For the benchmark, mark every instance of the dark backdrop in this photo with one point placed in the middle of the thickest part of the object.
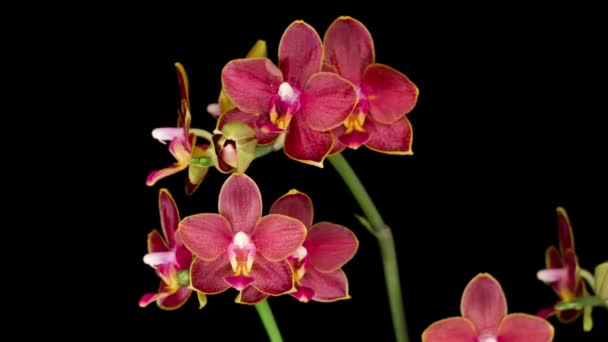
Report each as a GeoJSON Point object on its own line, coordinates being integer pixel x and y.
{"type": "Point", "coordinates": [507, 128]}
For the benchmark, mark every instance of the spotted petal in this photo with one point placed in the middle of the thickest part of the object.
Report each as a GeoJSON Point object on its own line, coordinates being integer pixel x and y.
{"type": "Point", "coordinates": [327, 286]}
{"type": "Point", "coordinates": [250, 82]}
{"type": "Point", "coordinates": [240, 202]}
{"type": "Point", "coordinates": [300, 53]}
{"type": "Point", "coordinates": [395, 138]}
{"type": "Point", "coordinates": [272, 277]}
{"type": "Point", "coordinates": [277, 236]}
{"type": "Point", "coordinates": [250, 296]}
{"type": "Point", "coordinates": [306, 145]}
{"type": "Point", "coordinates": [206, 235]}
{"type": "Point", "coordinates": [390, 94]}
{"type": "Point", "coordinates": [483, 302]}
{"type": "Point", "coordinates": [349, 48]}
{"type": "Point", "coordinates": [520, 327]}
{"type": "Point", "coordinates": [330, 246]}
{"type": "Point", "coordinates": [455, 329]}
{"type": "Point", "coordinates": [294, 204]}
{"type": "Point", "coordinates": [208, 276]}
{"type": "Point", "coordinates": [327, 101]}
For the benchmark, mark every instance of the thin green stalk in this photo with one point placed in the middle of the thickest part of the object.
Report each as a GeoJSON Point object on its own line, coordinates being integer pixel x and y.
{"type": "Point", "coordinates": [272, 329]}
{"type": "Point", "coordinates": [383, 234]}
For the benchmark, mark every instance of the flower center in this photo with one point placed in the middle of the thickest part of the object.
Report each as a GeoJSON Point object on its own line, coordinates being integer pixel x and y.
{"type": "Point", "coordinates": [284, 105]}
{"type": "Point", "coordinates": [487, 338]}
{"type": "Point", "coordinates": [241, 253]}
{"type": "Point", "coordinates": [229, 153]}
{"type": "Point", "coordinates": [300, 261]}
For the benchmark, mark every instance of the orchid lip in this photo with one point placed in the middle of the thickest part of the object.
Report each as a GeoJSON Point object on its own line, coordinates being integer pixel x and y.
{"type": "Point", "coordinates": [551, 275]}
{"type": "Point", "coordinates": [160, 258]}
{"type": "Point", "coordinates": [487, 338]}
{"type": "Point", "coordinates": [300, 253]}
{"type": "Point", "coordinates": [241, 243]}
{"type": "Point", "coordinates": [165, 134]}
{"type": "Point", "coordinates": [287, 93]}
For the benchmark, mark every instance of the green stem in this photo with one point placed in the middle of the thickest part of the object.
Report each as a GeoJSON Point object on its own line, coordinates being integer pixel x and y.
{"type": "Point", "coordinates": [589, 278]}
{"type": "Point", "coordinates": [272, 329]}
{"type": "Point", "coordinates": [383, 234]}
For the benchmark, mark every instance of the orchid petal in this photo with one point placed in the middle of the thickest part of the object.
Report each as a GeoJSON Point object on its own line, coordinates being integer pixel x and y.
{"type": "Point", "coordinates": [169, 215]}
{"type": "Point", "coordinates": [184, 85]}
{"type": "Point", "coordinates": [483, 302]}
{"type": "Point", "coordinates": [338, 145]}
{"type": "Point", "coordinates": [454, 329]}
{"type": "Point", "coordinates": [150, 297]}
{"type": "Point", "coordinates": [157, 175]}
{"type": "Point", "coordinates": [330, 246]}
{"type": "Point", "coordinates": [183, 256]}
{"type": "Point", "coordinates": [240, 202]}
{"type": "Point", "coordinates": [196, 175]}
{"type": "Point", "coordinates": [251, 120]}
{"type": "Point", "coordinates": [327, 286]}
{"type": "Point", "coordinates": [395, 138]}
{"type": "Point", "coordinates": [601, 280]}
{"type": "Point", "coordinates": [570, 261]}
{"type": "Point", "coordinates": [519, 327]}
{"type": "Point", "coordinates": [303, 294]}
{"type": "Point", "coordinates": [272, 277]}
{"type": "Point", "coordinates": [355, 138]}
{"type": "Point", "coordinates": [202, 299]}
{"type": "Point", "coordinates": [390, 94]}
{"type": "Point", "coordinates": [277, 236]}
{"type": "Point", "coordinates": [206, 235]}
{"type": "Point", "coordinates": [156, 243]}
{"type": "Point", "coordinates": [306, 145]}
{"type": "Point", "coordinates": [294, 204]}
{"type": "Point", "coordinates": [250, 82]}
{"type": "Point", "coordinates": [566, 237]}
{"type": "Point", "coordinates": [327, 101]}
{"type": "Point", "coordinates": [259, 49]}
{"type": "Point", "coordinates": [250, 296]}
{"type": "Point", "coordinates": [164, 134]}
{"type": "Point", "coordinates": [175, 300]}
{"type": "Point", "coordinates": [568, 316]}
{"type": "Point", "coordinates": [552, 258]}
{"type": "Point", "coordinates": [208, 276]}
{"type": "Point", "coordinates": [348, 47]}
{"type": "Point", "coordinates": [239, 282]}
{"type": "Point", "coordinates": [546, 312]}
{"type": "Point", "coordinates": [300, 53]}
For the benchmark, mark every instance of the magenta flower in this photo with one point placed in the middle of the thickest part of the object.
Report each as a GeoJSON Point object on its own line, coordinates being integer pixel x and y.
{"type": "Point", "coordinates": [239, 247]}
{"type": "Point", "coordinates": [484, 318]}
{"type": "Point", "coordinates": [296, 97]}
{"type": "Point", "coordinates": [182, 143]}
{"type": "Point", "coordinates": [317, 264]}
{"type": "Point", "coordinates": [385, 95]}
{"type": "Point", "coordinates": [168, 256]}
{"type": "Point", "coordinates": [562, 271]}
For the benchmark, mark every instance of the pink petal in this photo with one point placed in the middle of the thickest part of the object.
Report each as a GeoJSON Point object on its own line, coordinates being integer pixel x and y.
{"type": "Point", "coordinates": [454, 329]}
{"type": "Point", "coordinates": [294, 204]}
{"type": "Point", "coordinates": [183, 256]}
{"type": "Point", "coordinates": [250, 82]}
{"type": "Point", "coordinates": [206, 235]}
{"type": "Point", "coordinates": [208, 276]}
{"type": "Point", "coordinates": [395, 138]}
{"type": "Point", "coordinates": [330, 246]}
{"type": "Point", "coordinates": [349, 48]}
{"type": "Point", "coordinates": [175, 300]}
{"type": "Point", "coordinates": [156, 243]}
{"type": "Point", "coordinates": [276, 236]}
{"type": "Point", "coordinates": [250, 296]}
{"type": "Point", "coordinates": [338, 145]}
{"type": "Point", "coordinates": [271, 277]}
{"type": "Point", "coordinates": [327, 101]}
{"type": "Point", "coordinates": [327, 287]}
{"type": "Point", "coordinates": [566, 237]}
{"type": "Point", "coordinates": [239, 282]}
{"type": "Point", "coordinates": [150, 297]}
{"type": "Point", "coordinates": [570, 262]}
{"type": "Point", "coordinates": [250, 120]}
{"type": "Point", "coordinates": [164, 134]}
{"type": "Point", "coordinates": [546, 312]}
{"type": "Point", "coordinates": [157, 175]}
{"type": "Point", "coordinates": [300, 53]}
{"type": "Point", "coordinates": [552, 258]}
{"type": "Point", "coordinates": [521, 327]}
{"type": "Point", "coordinates": [240, 202]}
{"type": "Point", "coordinates": [303, 294]}
{"type": "Point", "coordinates": [483, 303]}
{"type": "Point", "coordinates": [169, 215]}
{"type": "Point", "coordinates": [390, 94]}
{"type": "Point", "coordinates": [306, 145]}
{"type": "Point", "coordinates": [355, 138]}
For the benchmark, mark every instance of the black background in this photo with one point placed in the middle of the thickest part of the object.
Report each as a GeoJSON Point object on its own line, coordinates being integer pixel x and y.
{"type": "Point", "coordinates": [508, 126]}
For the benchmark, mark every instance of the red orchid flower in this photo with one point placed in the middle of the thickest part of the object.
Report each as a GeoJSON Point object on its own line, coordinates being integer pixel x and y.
{"type": "Point", "coordinates": [182, 143]}
{"type": "Point", "coordinates": [484, 318]}
{"type": "Point", "coordinates": [295, 98]}
{"type": "Point", "coordinates": [239, 247]}
{"type": "Point", "coordinates": [168, 256]}
{"type": "Point", "coordinates": [317, 264]}
{"type": "Point", "coordinates": [562, 271]}
{"type": "Point", "coordinates": [378, 120]}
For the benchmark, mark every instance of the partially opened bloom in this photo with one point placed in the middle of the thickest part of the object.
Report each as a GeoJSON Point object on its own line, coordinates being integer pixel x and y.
{"type": "Point", "coordinates": [385, 95]}
{"type": "Point", "coordinates": [182, 143]}
{"type": "Point", "coordinates": [295, 98]}
{"type": "Point", "coordinates": [238, 247]}
{"type": "Point", "coordinates": [317, 264]}
{"type": "Point", "coordinates": [562, 271]}
{"type": "Point", "coordinates": [234, 147]}
{"type": "Point", "coordinates": [168, 255]}
{"type": "Point", "coordinates": [484, 318]}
